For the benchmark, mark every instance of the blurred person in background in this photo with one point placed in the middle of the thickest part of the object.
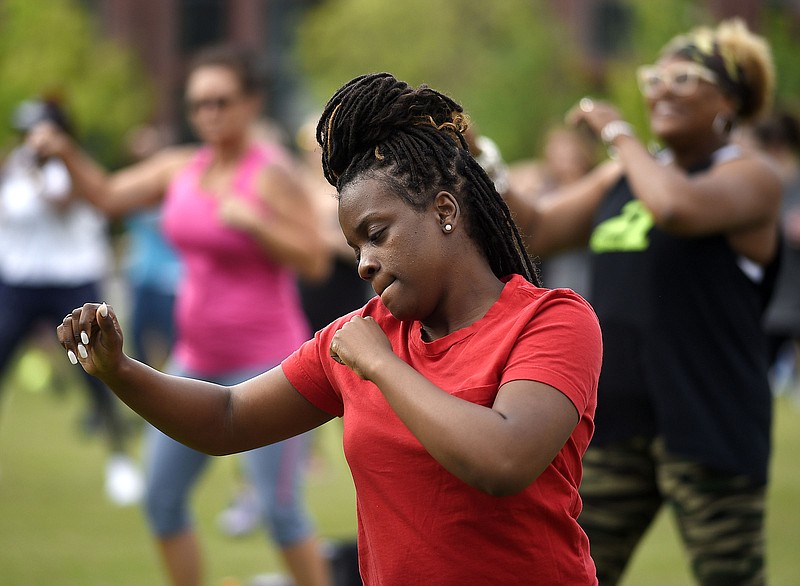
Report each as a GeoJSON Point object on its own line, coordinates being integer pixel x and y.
{"type": "Point", "coordinates": [683, 256]}
{"type": "Point", "coordinates": [39, 213]}
{"type": "Point", "coordinates": [567, 155]}
{"type": "Point", "coordinates": [343, 291]}
{"type": "Point", "coordinates": [466, 390]}
{"type": "Point", "coordinates": [244, 228]}
{"type": "Point", "coordinates": [151, 266]}
{"type": "Point", "coordinates": [779, 137]}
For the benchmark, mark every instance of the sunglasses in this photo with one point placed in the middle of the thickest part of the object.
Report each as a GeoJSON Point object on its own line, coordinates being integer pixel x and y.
{"type": "Point", "coordinates": [680, 79]}
{"type": "Point", "coordinates": [219, 103]}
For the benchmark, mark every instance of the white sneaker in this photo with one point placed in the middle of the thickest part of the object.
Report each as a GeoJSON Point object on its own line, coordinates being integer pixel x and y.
{"type": "Point", "coordinates": [271, 580]}
{"type": "Point", "coordinates": [243, 515]}
{"type": "Point", "coordinates": [124, 483]}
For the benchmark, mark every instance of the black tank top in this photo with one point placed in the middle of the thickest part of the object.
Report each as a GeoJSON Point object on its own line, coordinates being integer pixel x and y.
{"type": "Point", "coordinates": [684, 353]}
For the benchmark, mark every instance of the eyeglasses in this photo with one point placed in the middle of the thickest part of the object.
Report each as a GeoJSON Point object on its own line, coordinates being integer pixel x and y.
{"type": "Point", "coordinates": [679, 78]}
{"type": "Point", "coordinates": [218, 103]}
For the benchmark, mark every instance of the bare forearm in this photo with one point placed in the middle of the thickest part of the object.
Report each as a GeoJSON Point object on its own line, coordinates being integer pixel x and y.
{"type": "Point", "coordinates": [657, 186]}
{"type": "Point", "coordinates": [135, 187]}
{"type": "Point", "coordinates": [193, 412]}
{"type": "Point", "coordinates": [90, 180]}
{"type": "Point", "coordinates": [469, 440]}
{"type": "Point", "coordinates": [562, 219]}
{"type": "Point", "coordinates": [305, 253]}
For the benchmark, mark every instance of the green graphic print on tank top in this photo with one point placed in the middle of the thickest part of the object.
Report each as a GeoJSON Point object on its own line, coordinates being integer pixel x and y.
{"type": "Point", "coordinates": [625, 232]}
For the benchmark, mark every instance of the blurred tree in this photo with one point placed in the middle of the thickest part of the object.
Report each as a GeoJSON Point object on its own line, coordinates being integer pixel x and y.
{"type": "Point", "coordinates": [507, 62]}
{"type": "Point", "coordinates": [781, 24]}
{"type": "Point", "coordinates": [53, 49]}
{"type": "Point", "coordinates": [513, 64]}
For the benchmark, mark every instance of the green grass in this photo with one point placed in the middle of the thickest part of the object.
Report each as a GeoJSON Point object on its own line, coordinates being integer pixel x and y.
{"type": "Point", "coordinates": [56, 527]}
{"type": "Point", "coordinates": [659, 560]}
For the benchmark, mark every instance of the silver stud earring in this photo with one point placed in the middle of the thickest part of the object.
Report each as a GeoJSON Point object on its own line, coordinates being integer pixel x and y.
{"type": "Point", "coordinates": [448, 227]}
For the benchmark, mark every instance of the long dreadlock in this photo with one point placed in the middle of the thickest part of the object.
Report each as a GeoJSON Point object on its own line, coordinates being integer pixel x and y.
{"type": "Point", "coordinates": [377, 122]}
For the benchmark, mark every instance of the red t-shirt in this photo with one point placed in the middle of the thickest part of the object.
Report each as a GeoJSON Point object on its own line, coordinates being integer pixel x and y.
{"type": "Point", "coordinates": [419, 524]}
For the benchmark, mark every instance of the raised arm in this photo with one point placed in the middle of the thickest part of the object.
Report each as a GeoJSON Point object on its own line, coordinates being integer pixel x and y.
{"type": "Point", "coordinates": [562, 219]}
{"type": "Point", "coordinates": [207, 417]}
{"type": "Point", "coordinates": [115, 194]}
{"type": "Point", "coordinates": [289, 230]}
{"type": "Point", "coordinates": [740, 198]}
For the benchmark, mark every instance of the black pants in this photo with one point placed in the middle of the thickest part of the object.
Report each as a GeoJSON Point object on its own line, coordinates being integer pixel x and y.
{"type": "Point", "coordinates": [23, 309]}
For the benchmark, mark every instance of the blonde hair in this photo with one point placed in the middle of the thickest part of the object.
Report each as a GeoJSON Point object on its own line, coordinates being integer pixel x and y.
{"type": "Point", "coordinates": [742, 59]}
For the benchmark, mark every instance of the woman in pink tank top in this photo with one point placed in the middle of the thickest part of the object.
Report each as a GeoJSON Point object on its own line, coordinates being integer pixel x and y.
{"type": "Point", "coordinates": [244, 229]}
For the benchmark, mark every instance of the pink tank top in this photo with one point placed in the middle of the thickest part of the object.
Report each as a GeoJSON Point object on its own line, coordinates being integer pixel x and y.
{"type": "Point", "coordinates": [236, 308]}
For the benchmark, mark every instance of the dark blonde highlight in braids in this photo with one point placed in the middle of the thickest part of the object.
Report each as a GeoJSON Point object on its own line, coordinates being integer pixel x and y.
{"type": "Point", "coordinates": [377, 123]}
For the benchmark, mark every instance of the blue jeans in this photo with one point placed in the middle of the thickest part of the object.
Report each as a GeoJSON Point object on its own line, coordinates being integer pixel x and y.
{"type": "Point", "coordinates": [276, 471]}
{"type": "Point", "coordinates": [152, 316]}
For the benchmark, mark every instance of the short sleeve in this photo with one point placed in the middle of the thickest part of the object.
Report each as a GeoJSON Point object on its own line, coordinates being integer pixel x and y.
{"type": "Point", "coordinates": [561, 346]}
{"type": "Point", "coordinates": [309, 371]}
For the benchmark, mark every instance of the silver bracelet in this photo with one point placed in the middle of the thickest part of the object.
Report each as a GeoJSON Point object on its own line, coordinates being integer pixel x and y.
{"type": "Point", "coordinates": [614, 129]}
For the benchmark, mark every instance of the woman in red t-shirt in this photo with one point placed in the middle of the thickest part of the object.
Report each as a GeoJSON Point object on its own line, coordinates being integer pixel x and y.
{"type": "Point", "coordinates": [467, 390]}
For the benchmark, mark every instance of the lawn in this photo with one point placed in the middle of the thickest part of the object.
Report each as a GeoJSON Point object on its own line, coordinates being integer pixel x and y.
{"type": "Point", "coordinates": [56, 527]}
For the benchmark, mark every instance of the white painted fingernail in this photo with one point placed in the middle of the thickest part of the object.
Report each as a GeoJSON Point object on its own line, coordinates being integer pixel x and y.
{"type": "Point", "coordinates": [84, 338]}
{"type": "Point", "coordinates": [71, 356]}
{"type": "Point", "coordinates": [82, 351]}
{"type": "Point", "coordinates": [104, 310]}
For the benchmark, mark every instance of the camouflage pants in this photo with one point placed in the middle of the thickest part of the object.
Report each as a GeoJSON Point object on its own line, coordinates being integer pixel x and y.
{"type": "Point", "coordinates": [720, 516]}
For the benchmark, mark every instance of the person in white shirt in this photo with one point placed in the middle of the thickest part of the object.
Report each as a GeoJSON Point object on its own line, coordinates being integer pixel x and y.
{"type": "Point", "coordinates": [43, 230]}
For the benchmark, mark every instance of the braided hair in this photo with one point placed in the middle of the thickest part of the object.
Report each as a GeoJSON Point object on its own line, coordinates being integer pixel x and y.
{"type": "Point", "coordinates": [377, 122]}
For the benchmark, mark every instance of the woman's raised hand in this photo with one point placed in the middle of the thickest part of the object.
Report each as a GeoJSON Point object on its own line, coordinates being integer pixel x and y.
{"type": "Point", "coordinates": [48, 140]}
{"type": "Point", "coordinates": [595, 114]}
{"type": "Point", "coordinates": [91, 335]}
